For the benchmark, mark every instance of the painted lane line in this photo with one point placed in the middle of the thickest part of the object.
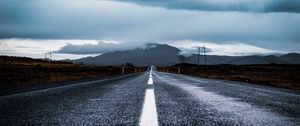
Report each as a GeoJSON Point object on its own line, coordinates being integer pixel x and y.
{"type": "Point", "coordinates": [150, 75]}
{"type": "Point", "coordinates": [149, 112]}
{"type": "Point", "coordinates": [150, 81]}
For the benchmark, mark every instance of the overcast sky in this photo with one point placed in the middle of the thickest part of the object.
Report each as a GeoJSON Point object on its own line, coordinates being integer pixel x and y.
{"type": "Point", "coordinates": [77, 28]}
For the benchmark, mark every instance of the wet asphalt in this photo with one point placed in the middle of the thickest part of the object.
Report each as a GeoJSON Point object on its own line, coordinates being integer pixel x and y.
{"type": "Point", "coordinates": [180, 100]}
{"type": "Point", "coordinates": [108, 102]}
{"type": "Point", "coordinates": [186, 100]}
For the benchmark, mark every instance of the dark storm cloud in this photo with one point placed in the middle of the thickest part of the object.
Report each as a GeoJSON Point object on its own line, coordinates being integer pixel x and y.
{"type": "Point", "coordinates": [101, 47]}
{"type": "Point", "coordinates": [225, 5]}
{"type": "Point", "coordinates": [124, 21]}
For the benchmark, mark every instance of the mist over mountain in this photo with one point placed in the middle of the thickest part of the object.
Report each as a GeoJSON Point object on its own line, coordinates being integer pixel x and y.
{"type": "Point", "coordinates": [163, 55]}
{"type": "Point", "coordinates": [156, 54]}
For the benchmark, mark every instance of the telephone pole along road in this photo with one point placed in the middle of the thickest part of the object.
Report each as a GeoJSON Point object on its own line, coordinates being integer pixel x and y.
{"type": "Point", "coordinates": [172, 100]}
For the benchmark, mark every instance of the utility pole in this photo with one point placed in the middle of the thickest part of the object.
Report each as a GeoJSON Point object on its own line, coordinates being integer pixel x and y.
{"type": "Point", "coordinates": [3, 48]}
{"type": "Point", "coordinates": [199, 55]}
{"type": "Point", "coordinates": [50, 55]}
{"type": "Point", "coordinates": [45, 56]}
{"type": "Point", "coordinates": [204, 55]}
{"type": "Point", "coordinates": [6, 48]}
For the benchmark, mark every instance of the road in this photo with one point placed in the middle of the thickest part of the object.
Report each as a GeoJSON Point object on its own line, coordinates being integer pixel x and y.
{"type": "Point", "coordinates": [154, 98]}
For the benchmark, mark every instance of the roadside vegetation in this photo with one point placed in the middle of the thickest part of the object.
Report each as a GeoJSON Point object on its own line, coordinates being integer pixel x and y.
{"type": "Point", "coordinates": [278, 75]}
{"type": "Point", "coordinates": [22, 71]}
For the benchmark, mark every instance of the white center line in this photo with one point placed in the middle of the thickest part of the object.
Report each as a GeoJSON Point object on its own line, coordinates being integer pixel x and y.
{"type": "Point", "coordinates": [150, 81]}
{"type": "Point", "coordinates": [149, 113]}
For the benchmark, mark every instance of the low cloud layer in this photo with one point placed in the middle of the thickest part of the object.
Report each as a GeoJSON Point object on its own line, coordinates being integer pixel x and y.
{"type": "Point", "coordinates": [37, 48]}
{"type": "Point", "coordinates": [230, 48]}
{"type": "Point", "coordinates": [73, 49]}
{"type": "Point", "coordinates": [187, 47]}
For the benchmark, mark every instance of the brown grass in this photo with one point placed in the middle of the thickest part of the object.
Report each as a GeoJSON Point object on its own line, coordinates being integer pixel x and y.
{"type": "Point", "coordinates": [22, 71]}
{"type": "Point", "coordinates": [284, 76]}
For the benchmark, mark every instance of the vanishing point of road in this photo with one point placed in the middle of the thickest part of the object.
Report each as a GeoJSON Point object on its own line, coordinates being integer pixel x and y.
{"type": "Point", "coordinates": [153, 98]}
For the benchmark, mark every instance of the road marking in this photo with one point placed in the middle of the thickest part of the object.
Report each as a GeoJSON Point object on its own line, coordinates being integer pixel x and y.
{"type": "Point", "coordinates": [150, 81]}
{"type": "Point", "coordinates": [150, 75]}
{"type": "Point", "coordinates": [149, 112]}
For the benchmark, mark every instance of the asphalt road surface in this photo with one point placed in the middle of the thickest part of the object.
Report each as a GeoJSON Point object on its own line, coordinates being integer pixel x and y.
{"type": "Point", "coordinates": [154, 98]}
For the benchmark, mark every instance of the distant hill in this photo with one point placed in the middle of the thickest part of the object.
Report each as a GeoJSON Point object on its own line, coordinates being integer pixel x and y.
{"type": "Point", "coordinates": [210, 59]}
{"type": "Point", "coordinates": [163, 55]}
{"type": "Point", "coordinates": [291, 58]}
{"type": "Point", "coordinates": [256, 60]}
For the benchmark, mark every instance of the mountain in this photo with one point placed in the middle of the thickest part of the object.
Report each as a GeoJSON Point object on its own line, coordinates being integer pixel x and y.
{"type": "Point", "coordinates": [163, 55]}
{"type": "Point", "coordinates": [155, 54]}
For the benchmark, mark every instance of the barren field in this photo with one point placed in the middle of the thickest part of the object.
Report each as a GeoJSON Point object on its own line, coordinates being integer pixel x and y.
{"type": "Point", "coordinates": [20, 71]}
{"type": "Point", "coordinates": [284, 76]}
